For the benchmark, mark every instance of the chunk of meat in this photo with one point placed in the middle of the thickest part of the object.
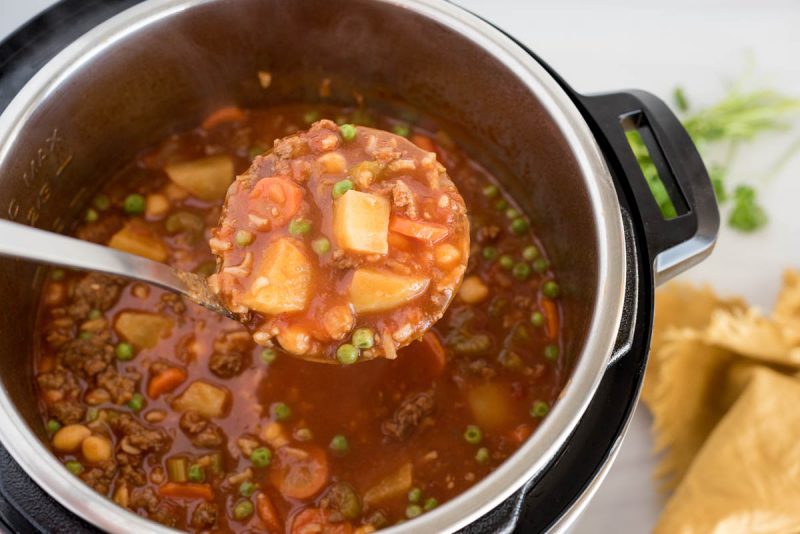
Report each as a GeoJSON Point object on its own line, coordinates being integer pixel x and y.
{"type": "Point", "coordinates": [201, 431]}
{"type": "Point", "coordinates": [87, 357]}
{"type": "Point", "coordinates": [409, 415]}
{"type": "Point", "coordinates": [99, 477]}
{"type": "Point", "coordinates": [204, 516]}
{"type": "Point", "coordinates": [121, 387]}
{"type": "Point", "coordinates": [149, 439]}
{"type": "Point", "coordinates": [63, 394]}
{"type": "Point", "coordinates": [232, 353]}
{"type": "Point", "coordinates": [98, 291]}
{"type": "Point", "coordinates": [403, 199]}
{"type": "Point", "coordinates": [102, 230]}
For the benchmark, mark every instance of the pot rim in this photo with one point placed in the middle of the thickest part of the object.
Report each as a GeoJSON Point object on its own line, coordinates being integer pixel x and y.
{"type": "Point", "coordinates": [533, 456]}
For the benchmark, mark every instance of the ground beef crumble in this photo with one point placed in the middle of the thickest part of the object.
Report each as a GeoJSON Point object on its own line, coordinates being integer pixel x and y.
{"type": "Point", "coordinates": [409, 415]}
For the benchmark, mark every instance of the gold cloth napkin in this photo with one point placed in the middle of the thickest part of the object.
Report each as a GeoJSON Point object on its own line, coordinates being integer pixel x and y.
{"type": "Point", "coordinates": [723, 385]}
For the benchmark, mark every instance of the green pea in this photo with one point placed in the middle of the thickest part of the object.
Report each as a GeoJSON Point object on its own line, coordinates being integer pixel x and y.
{"type": "Point", "coordinates": [311, 116]}
{"type": "Point", "coordinates": [519, 226]}
{"type": "Point", "coordinates": [261, 457]}
{"type": "Point", "coordinates": [57, 274]}
{"type": "Point", "coordinates": [243, 510]}
{"type": "Point", "coordinates": [347, 354]}
{"type": "Point", "coordinates": [401, 129]}
{"type": "Point", "coordinates": [490, 191]}
{"type": "Point", "coordinates": [348, 132]}
{"type": "Point", "coordinates": [321, 246]}
{"type": "Point", "coordinates": [244, 238]}
{"type": "Point", "coordinates": [53, 426]}
{"type": "Point", "coordinates": [551, 352]}
{"type": "Point", "coordinates": [303, 434]}
{"type": "Point", "coordinates": [506, 262]}
{"type": "Point", "coordinates": [299, 227]}
{"type": "Point", "coordinates": [521, 271]}
{"type": "Point", "coordinates": [501, 204]}
{"type": "Point", "coordinates": [196, 473]}
{"type": "Point", "coordinates": [91, 215]}
{"type": "Point", "coordinates": [246, 488]}
{"type": "Point", "coordinates": [339, 444]}
{"type": "Point", "coordinates": [136, 403]}
{"type": "Point", "coordinates": [414, 495]}
{"type": "Point", "coordinates": [530, 253]}
{"type": "Point", "coordinates": [541, 265]}
{"type": "Point", "coordinates": [102, 202]}
{"type": "Point", "coordinates": [280, 411]}
{"type": "Point", "coordinates": [413, 510]}
{"type": "Point", "coordinates": [74, 467]}
{"type": "Point", "coordinates": [268, 355]}
{"type": "Point", "coordinates": [539, 409]}
{"type": "Point", "coordinates": [124, 351]}
{"type": "Point", "coordinates": [134, 204]}
{"type": "Point", "coordinates": [482, 456]}
{"type": "Point", "coordinates": [430, 504]}
{"type": "Point", "coordinates": [511, 213]}
{"type": "Point", "coordinates": [341, 187]}
{"type": "Point", "coordinates": [537, 318]}
{"type": "Point", "coordinates": [86, 335]}
{"type": "Point", "coordinates": [92, 414]}
{"type": "Point", "coordinates": [473, 435]}
{"type": "Point", "coordinates": [550, 289]}
{"type": "Point", "coordinates": [363, 338]}
{"type": "Point", "coordinates": [489, 253]}
{"type": "Point", "coordinates": [94, 313]}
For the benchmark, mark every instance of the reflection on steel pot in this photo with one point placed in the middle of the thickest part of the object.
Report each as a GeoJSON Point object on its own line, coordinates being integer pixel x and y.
{"type": "Point", "coordinates": [159, 65]}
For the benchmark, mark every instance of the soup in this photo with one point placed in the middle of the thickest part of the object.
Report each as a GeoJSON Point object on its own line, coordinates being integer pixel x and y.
{"type": "Point", "coordinates": [176, 414]}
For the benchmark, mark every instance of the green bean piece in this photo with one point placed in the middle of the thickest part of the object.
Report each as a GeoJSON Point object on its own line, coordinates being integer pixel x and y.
{"type": "Point", "coordinates": [177, 469]}
{"type": "Point", "coordinates": [473, 434]}
{"type": "Point", "coordinates": [92, 414]}
{"type": "Point", "coordinates": [261, 457]}
{"type": "Point", "coordinates": [363, 338]}
{"type": "Point", "coordinates": [134, 204]}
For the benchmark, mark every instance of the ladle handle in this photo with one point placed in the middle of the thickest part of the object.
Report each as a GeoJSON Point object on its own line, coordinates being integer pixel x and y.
{"type": "Point", "coordinates": [25, 242]}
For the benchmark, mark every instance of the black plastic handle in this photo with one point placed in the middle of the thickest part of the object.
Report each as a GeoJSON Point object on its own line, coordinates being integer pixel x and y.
{"type": "Point", "coordinates": [678, 243]}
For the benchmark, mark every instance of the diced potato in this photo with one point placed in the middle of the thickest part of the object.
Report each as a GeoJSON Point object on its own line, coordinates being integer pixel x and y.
{"type": "Point", "coordinates": [282, 283]}
{"type": "Point", "coordinates": [361, 222]}
{"type": "Point", "coordinates": [491, 406]}
{"type": "Point", "coordinates": [138, 239]}
{"type": "Point", "coordinates": [208, 400]}
{"type": "Point", "coordinates": [473, 290]}
{"type": "Point", "coordinates": [143, 330]}
{"type": "Point", "coordinates": [395, 485]}
{"type": "Point", "coordinates": [156, 205]}
{"type": "Point", "coordinates": [376, 291]}
{"type": "Point", "coordinates": [205, 178]}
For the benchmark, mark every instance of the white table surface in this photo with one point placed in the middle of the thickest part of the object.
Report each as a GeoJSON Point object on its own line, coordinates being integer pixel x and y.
{"type": "Point", "coordinates": [703, 45]}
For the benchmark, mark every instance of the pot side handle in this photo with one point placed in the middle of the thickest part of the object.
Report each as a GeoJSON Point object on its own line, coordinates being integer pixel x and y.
{"type": "Point", "coordinates": [686, 239]}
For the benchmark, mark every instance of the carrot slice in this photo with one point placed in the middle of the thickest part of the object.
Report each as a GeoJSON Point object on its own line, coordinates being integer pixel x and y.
{"type": "Point", "coordinates": [165, 381]}
{"type": "Point", "coordinates": [266, 511]}
{"type": "Point", "coordinates": [521, 433]}
{"type": "Point", "coordinates": [276, 199]}
{"type": "Point", "coordinates": [425, 143]}
{"type": "Point", "coordinates": [551, 317]}
{"type": "Point", "coordinates": [429, 232]}
{"type": "Point", "coordinates": [316, 520]}
{"type": "Point", "coordinates": [433, 346]}
{"type": "Point", "coordinates": [186, 490]}
{"type": "Point", "coordinates": [223, 115]}
{"type": "Point", "coordinates": [299, 473]}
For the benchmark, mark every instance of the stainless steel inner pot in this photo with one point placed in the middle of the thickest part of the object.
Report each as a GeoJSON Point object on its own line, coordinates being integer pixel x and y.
{"type": "Point", "coordinates": [160, 66]}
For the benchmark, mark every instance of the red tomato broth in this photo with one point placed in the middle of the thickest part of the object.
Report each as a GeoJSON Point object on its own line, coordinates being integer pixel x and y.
{"type": "Point", "coordinates": [355, 401]}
